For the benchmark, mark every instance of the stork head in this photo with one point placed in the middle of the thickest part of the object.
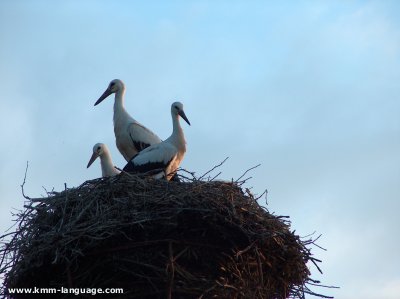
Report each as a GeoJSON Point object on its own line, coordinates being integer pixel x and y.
{"type": "Point", "coordinates": [98, 150]}
{"type": "Point", "coordinates": [177, 109]}
{"type": "Point", "coordinates": [114, 86]}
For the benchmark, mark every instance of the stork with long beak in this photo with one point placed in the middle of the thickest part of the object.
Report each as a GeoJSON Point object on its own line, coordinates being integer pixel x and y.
{"type": "Point", "coordinates": [107, 167]}
{"type": "Point", "coordinates": [130, 136]}
{"type": "Point", "coordinates": [163, 159]}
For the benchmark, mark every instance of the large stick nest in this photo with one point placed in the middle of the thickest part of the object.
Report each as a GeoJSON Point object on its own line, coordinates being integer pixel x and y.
{"type": "Point", "coordinates": [156, 239]}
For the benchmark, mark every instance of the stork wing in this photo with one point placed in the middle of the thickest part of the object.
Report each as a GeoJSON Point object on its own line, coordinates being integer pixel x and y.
{"type": "Point", "coordinates": [155, 157]}
{"type": "Point", "coordinates": [141, 136]}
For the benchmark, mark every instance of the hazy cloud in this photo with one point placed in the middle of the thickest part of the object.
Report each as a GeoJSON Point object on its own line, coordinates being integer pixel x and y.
{"type": "Point", "coordinates": [308, 89]}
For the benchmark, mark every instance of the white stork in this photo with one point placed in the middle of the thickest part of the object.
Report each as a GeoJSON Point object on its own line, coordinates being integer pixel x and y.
{"type": "Point", "coordinates": [107, 166]}
{"type": "Point", "coordinates": [163, 159]}
{"type": "Point", "coordinates": [130, 136]}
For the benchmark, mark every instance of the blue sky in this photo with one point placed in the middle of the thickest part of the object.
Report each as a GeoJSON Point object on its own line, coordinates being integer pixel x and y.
{"type": "Point", "coordinates": [309, 89]}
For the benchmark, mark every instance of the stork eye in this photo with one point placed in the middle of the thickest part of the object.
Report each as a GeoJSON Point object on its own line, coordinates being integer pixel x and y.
{"type": "Point", "coordinates": [112, 84]}
{"type": "Point", "coordinates": [99, 148]}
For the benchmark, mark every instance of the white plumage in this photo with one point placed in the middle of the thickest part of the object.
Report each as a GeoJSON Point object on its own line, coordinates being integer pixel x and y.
{"type": "Point", "coordinates": [107, 166]}
{"type": "Point", "coordinates": [130, 136]}
{"type": "Point", "coordinates": [163, 159]}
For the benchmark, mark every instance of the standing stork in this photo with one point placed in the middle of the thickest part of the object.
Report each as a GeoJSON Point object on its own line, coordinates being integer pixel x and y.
{"type": "Point", "coordinates": [163, 159]}
{"type": "Point", "coordinates": [130, 136]}
{"type": "Point", "coordinates": [107, 166]}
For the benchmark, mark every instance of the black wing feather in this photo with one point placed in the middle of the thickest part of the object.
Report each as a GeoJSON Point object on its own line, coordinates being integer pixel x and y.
{"type": "Point", "coordinates": [144, 168]}
{"type": "Point", "coordinates": [139, 145]}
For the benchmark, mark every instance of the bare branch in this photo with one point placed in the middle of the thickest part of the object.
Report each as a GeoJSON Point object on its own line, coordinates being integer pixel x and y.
{"type": "Point", "coordinates": [247, 172]}
{"type": "Point", "coordinates": [216, 166]}
{"type": "Point", "coordinates": [262, 194]}
{"type": "Point", "coordinates": [23, 183]}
